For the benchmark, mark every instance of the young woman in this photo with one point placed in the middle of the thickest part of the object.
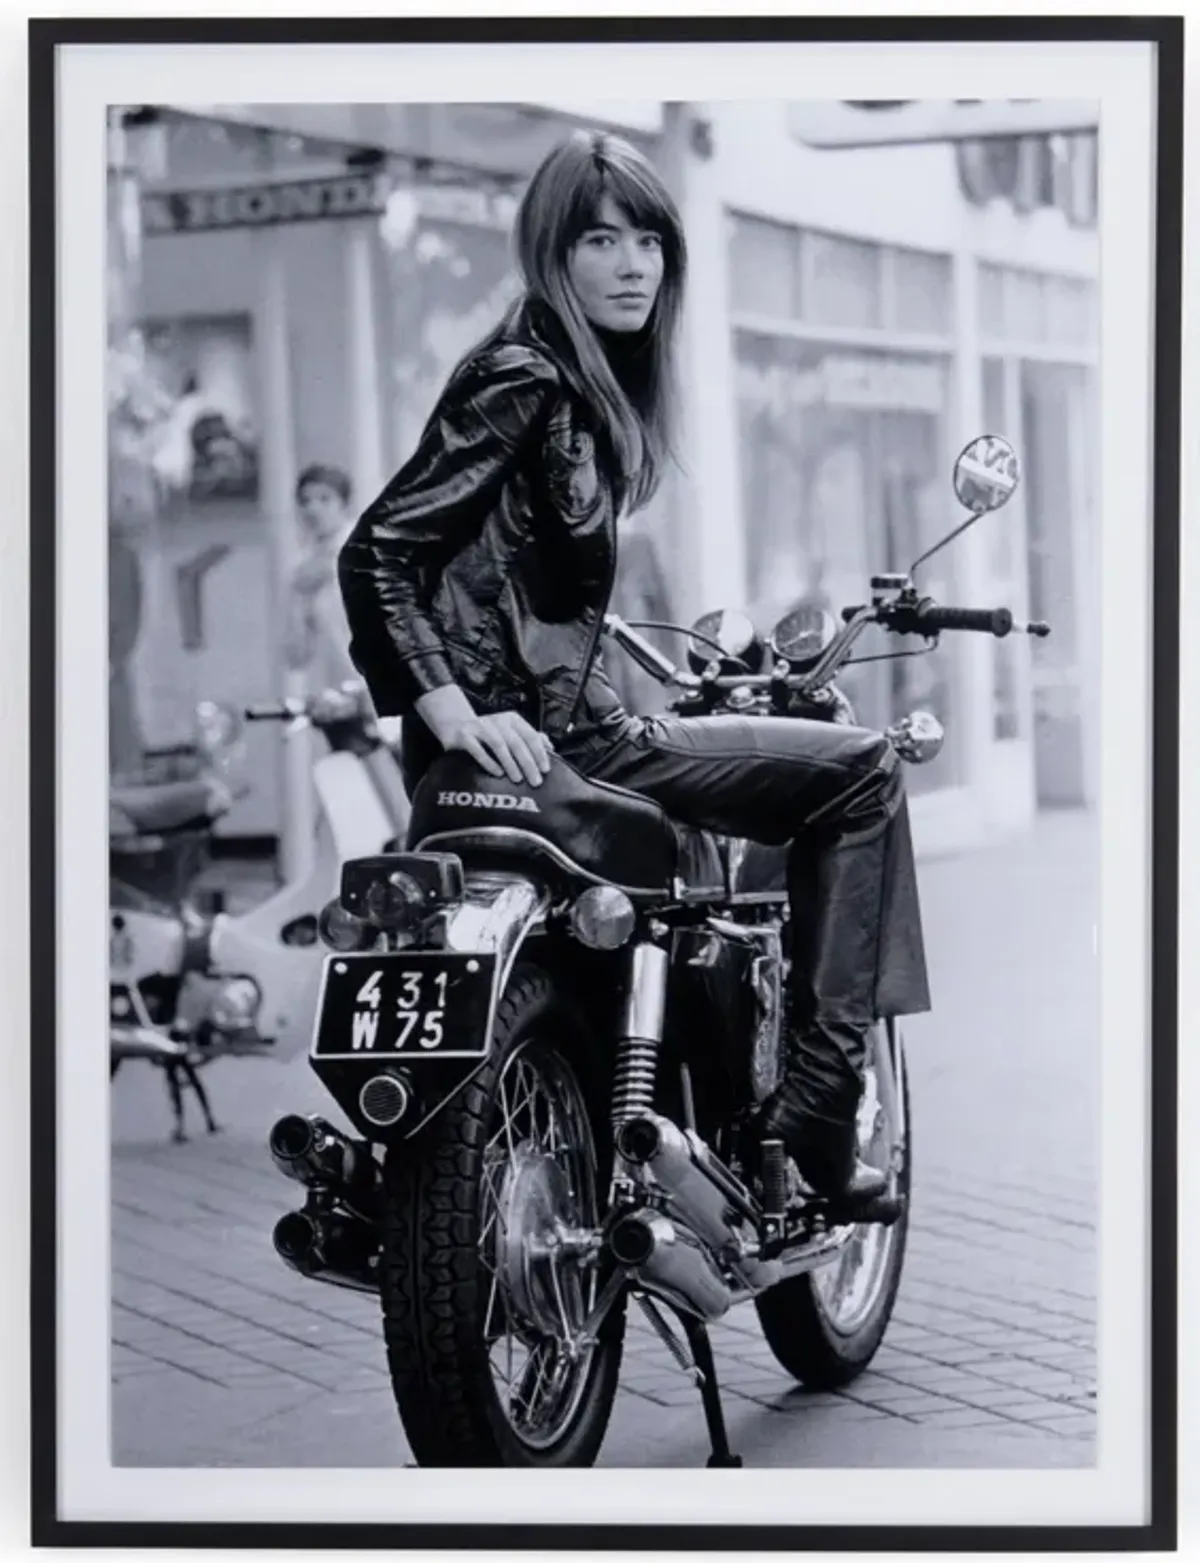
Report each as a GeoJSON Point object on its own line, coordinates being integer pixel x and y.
{"type": "Point", "coordinates": [476, 583]}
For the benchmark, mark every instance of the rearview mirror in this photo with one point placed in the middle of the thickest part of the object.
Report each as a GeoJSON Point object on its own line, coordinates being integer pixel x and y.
{"type": "Point", "coordinates": [986, 474]}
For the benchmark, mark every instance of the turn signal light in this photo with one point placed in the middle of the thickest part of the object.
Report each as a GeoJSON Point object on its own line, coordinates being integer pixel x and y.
{"type": "Point", "coordinates": [342, 931]}
{"type": "Point", "coordinates": [603, 918]}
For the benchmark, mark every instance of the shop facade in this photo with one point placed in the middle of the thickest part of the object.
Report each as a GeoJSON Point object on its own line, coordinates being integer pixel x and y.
{"type": "Point", "coordinates": [882, 311]}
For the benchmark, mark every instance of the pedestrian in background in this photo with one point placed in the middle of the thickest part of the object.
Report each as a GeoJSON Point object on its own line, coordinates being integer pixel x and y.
{"type": "Point", "coordinates": [317, 637]}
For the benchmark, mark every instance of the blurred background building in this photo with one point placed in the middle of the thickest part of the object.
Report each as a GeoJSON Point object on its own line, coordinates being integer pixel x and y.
{"type": "Point", "coordinates": [292, 284]}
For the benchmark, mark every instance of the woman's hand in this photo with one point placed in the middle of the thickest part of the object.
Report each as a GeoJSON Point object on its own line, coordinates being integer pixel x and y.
{"type": "Point", "coordinates": [504, 744]}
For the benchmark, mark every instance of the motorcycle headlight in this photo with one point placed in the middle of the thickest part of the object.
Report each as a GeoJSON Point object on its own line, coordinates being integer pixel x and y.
{"type": "Point", "coordinates": [603, 918]}
{"type": "Point", "coordinates": [235, 1004]}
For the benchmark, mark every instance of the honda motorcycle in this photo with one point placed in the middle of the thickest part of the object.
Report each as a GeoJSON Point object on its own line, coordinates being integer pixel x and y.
{"type": "Point", "coordinates": [189, 983]}
{"type": "Point", "coordinates": [552, 1020]}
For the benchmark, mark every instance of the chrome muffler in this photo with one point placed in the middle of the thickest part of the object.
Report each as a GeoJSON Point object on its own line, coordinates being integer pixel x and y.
{"type": "Point", "coordinates": [336, 1246]}
{"type": "Point", "coordinates": [671, 1263]}
{"type": "Point", "coordinates": [312, 1152]}
{"type": "Point", "coordinates": [335, 1238]}
{"type": "Point", "coordinates": [709, 1200]}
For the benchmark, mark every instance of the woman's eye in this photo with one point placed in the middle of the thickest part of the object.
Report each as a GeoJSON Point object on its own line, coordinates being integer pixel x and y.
{"type": "Point", "coordinates": [652, 241]}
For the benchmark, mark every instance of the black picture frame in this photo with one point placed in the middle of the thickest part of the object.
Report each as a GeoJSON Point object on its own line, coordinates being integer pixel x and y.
{"type": "Point", "coordinates": [1165, 34]}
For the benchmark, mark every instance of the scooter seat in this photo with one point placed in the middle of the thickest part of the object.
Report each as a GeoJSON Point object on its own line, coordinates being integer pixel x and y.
{"type": "Point", "coordinates": [591, 830]}
{"type": "Point", "coordinates": [164, 806]}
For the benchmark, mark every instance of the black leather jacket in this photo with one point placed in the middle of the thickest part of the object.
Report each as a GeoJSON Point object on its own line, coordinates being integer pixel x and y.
{"type": "Point", "coordinates": [488, 560]}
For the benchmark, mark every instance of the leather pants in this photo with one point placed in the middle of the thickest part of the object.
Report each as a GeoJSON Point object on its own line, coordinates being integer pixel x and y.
{"type": "Point", "coordinates": [835, 795]}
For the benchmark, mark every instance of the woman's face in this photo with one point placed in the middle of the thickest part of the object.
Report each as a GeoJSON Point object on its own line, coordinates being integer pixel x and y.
{"type": "Point", "coordinates": [616, 271]}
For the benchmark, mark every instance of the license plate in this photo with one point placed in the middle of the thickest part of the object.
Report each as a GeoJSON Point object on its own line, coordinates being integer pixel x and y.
{"type": "Point", "coordinates": [423, 1005]}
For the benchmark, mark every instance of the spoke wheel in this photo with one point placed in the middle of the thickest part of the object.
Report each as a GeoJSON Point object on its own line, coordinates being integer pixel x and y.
{"type": "Point", "coordinates": [490, 1253]}
{"type": "Point", "coordinates": [538, 1208]}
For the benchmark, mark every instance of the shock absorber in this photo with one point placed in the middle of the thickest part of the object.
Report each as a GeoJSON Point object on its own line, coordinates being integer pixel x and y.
{"type": "Point", "coordinates": [641, 1034]}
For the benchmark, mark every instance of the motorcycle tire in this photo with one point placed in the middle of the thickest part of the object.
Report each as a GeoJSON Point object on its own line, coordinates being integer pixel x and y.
{"type": "Point", "coordinates": [797, 1322]}
{"type": "Point", "coordinates": [437, 1292]}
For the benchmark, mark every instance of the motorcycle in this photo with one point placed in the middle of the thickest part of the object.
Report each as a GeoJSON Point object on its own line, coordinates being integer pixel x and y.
{"type": "Point", "coordinates": [189, 983]}
{"type": "Point", "coordinates": [552, 1021]}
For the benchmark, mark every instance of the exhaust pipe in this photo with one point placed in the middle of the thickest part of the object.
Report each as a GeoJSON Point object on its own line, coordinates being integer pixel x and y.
{"type": "Point", "coordinates": [312, 1152]}
{"type": "Point", "coordinates": [708, 1196]}
{"type": "Point", "coordinates": [336, 1246]}
{"type": "Point", "coordinates": [669, 1262]}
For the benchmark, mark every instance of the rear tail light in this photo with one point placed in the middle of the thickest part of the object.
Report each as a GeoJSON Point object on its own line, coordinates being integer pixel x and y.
{"type": "Point", "coordinates": [397, 902]}
{"type": "Point", "coordinates": [603, 918]}
{"type": "Point", "coordinates": [401, 890]}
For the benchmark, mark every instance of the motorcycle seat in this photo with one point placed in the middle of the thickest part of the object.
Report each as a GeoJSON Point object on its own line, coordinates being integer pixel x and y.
{"type": "Point", "coordinates": [587, 829]}
{"type": "Point", "coordinates": [154, 807]}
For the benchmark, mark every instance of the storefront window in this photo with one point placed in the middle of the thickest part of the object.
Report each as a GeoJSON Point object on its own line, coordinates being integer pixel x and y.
{"type": "Point", "coordinates": [991, 301]}
{"type": "Point", "coordinates": [842, 279]}
{"type": "Point", "coordinates": [922, 292]}
{"type": "Point", "coordinates": [844, 474]}
{"type": "Point", "coordinates": [1036, 308]}
{"type": "Point", "coordinates": [1070, 310]}
{"type": "Point", "coordinates": [764, 268]}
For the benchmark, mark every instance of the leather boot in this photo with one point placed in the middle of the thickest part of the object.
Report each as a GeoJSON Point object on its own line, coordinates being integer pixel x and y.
{"type": "Point", "coordinates": [823, 1148]}
{"type": "Point", "coordinates": [837, 889]}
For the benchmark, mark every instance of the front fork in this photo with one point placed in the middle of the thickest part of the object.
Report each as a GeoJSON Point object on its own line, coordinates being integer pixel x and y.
{"type": "Point", "coordinates": [890, 1070]}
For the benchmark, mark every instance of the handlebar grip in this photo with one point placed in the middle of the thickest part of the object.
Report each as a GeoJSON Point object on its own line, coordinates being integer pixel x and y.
{"type": "Point", "coordinates": [987, 621]}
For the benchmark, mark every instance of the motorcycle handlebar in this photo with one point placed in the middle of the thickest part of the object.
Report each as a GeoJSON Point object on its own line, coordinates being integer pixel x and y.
{"type": "Point", "coordinates": [986, 621]}
{"type": "Point", "coordinates": [268, 713]}
{"type": "Point", "coordinates": [930, 618]}
{"type": "Point", "coordinates": [904, 617]}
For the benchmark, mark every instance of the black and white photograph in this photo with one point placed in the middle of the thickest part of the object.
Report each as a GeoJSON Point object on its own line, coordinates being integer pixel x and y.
{"type": "Point", "coordinates": [628, 775]}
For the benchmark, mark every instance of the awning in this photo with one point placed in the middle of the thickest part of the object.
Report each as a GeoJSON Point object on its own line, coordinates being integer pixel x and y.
{"type": "Point", "coordinates": [845, 125]}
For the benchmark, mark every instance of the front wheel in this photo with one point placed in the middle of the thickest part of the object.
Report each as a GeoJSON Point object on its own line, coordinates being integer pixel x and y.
{"type": "Point", "coordinates": [825, 1326]}
{"type": "Point", "coordinates": [486, 1274]}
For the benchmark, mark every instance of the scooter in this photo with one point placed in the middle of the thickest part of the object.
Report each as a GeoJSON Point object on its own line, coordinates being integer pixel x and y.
{"type": "Point", "coordinates": [189, 982]}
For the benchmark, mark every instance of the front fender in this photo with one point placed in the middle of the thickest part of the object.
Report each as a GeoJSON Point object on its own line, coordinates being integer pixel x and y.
{"type": "Point", "coordinates": [499, 912]}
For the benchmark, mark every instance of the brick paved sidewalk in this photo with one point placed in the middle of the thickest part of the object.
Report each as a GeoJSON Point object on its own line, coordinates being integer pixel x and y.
{"type": "Point", "coordinates": [221, 1356]}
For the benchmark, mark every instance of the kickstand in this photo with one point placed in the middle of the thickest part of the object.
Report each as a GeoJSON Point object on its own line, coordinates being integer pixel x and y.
{"type": "Point", "coordinates": [702, 1370]}
{"type": "Point", "coordinates": [710, 1393]}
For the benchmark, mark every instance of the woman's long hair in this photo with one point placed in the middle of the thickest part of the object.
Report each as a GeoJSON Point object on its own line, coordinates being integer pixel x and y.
{"type": "Point", "coordinates": [628, 380]}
